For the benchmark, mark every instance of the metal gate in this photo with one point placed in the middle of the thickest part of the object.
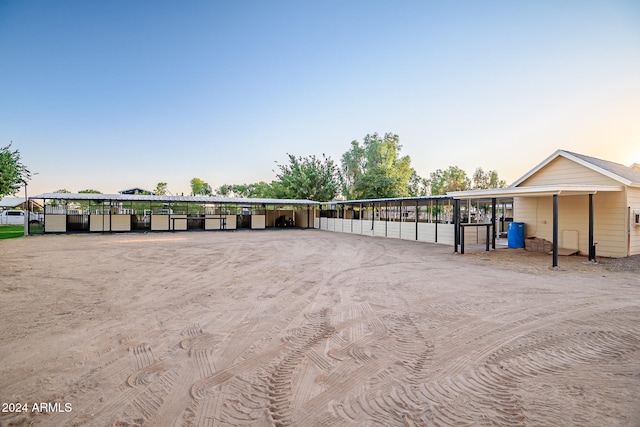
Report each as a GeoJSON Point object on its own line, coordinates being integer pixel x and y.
{"type": "Point", "coordinates": [140, 222]}
{"type": "Point", "coordinates": [77, 222]}
{"type": "Point", "coordinates": [195, 222]}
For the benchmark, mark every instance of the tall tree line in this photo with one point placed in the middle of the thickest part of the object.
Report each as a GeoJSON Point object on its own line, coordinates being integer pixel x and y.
{"type": "Point", "coordinates": [371, 169]}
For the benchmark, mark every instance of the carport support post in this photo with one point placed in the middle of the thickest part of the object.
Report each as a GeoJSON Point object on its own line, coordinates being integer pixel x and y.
{"type": "Point", "coordinates": [592, 255]}
{"type": "Point", "coordinates": [456, 224]}
{"type": "Point", "coordinates": [436, 221]}
{"type": "Point", "coordinates": [493, 223]}
{"type": "Point", "coordinates": [555, 231]}
{"type": "Point", "coordinates": [401, 214]}
{"type": "Point", "coordinates": [417, 213]}
{"type": "Point", "coordinates": [386, 214]}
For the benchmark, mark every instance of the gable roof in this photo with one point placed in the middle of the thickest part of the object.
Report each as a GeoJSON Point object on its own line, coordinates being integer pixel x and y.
{"type": "Point", "coordinates": [10, 202]}
{"type": "Point", "coordinates": [623, 174]}
{"type": "Point", "coordinates": [135, 190]}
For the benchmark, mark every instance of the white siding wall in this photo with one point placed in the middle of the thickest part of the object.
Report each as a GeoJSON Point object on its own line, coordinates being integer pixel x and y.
{"type": "Point", "coordinates": [408, 231]}
{"type": "Point", "coordinates": [123, 223]}
{"type": "Point", "coordinates": [258, 222]}
{"type": "Point", "coordinates": [55, 223]}
{"type": "Point", "coordinates": [446, 234]}
{"type": "Point", "coordinates": [366, 227]}
{"type": "Point", "coordinates": [180, 223]}
{"type": "Point", "coordinates": [573, 218]}
{"type": "Point", "coordinates": [99, 222]}
{"type": "Point", "coordinates": [405, 230]}
{"type": "Point", "coordinates": [393, 229]}
{"type": "Point", "coordinates": [159, 222]}
{"type": "Point", "coordinates": [427, 232]}
{"type": "Point", "coordinates": [475, 235]}
{"type": "Point", "coordinates": [379, 228]}
{"type": "Point", "coordinates": [565, 171]}
{"type": "Point", "coordinates": [633, 203]}
{"type": "Point", "coordinates": [212, 222]}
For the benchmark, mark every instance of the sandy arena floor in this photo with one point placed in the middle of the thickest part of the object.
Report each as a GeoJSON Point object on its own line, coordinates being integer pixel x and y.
{"type": "Point", "coordinates": [311, 328]}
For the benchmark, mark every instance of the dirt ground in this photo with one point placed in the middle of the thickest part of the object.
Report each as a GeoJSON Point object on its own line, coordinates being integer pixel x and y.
{"type": "Point", "coordinates": [311, 328]}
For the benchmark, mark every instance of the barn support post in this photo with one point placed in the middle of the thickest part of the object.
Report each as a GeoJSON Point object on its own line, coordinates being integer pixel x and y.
{"type": "Point", "coordinates": [436, 221]}
{"type": "Point", "coordinates": [401, 217]}
{"type": "Point", "coordinates": [493, 222]}
{"type": "Point", "coordinates": [555, 231]}
{"type": "Point", "coordinates": [373, 217]}
{"type": "Point", "coordinates": [487, 239]}
{"type": "Point", "coordinates": [386, 215]}
{"type": "Point", "coordinates": [592, 249]}
{"type": "Point", "coordinates": [456, 224]}
{"type": "Point", "coordinates": [417, 214]}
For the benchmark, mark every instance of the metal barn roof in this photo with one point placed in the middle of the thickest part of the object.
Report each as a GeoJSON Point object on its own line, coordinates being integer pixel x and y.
{"type": "Point", "coordinates": [170, 199]}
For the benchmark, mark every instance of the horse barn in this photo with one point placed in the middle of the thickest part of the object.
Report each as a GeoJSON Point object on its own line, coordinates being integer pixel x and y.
{"type": "Point", "coordinates": [83, 212]}
{"type": "Point", "coordinates": [425, 219]}
{"type": "Point", "coordinates": [568, 204]}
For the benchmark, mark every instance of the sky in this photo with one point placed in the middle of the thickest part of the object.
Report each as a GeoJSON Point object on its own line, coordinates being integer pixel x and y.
{"type": "Point", "coordinates": [110, 95]}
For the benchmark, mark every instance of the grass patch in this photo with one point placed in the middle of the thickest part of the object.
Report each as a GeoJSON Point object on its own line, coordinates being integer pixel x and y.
{"type": "Point", "coordinates": [10, 231]}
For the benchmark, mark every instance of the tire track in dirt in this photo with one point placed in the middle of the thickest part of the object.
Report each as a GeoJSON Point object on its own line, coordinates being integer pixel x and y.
{"type": "Point", "coordinates": [493, 387]}
{"type": "Point", "coordinates": [408, 359]}
{"type": "Point", "coordinates": [279, 383]}
{"type": "Point", "coordinates": [201, 388]}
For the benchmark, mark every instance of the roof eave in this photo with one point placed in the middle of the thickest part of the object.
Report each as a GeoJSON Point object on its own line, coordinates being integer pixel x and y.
{"type": "Point", "coordinates": [172, 199]}
{"type": "Point", "coordinates": [534, 191]}
{"type": "Point", "coordinates": [569, 156]}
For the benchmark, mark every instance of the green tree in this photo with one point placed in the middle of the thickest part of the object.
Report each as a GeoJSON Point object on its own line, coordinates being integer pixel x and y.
{"type": "Point", "coordinates": [483, 180]}
{"type": "Point", "coordinates": [62, 190]}
{"type": "Point", "coordinates": [308, 178]}
{"type": "Point", "coordinates": [13, 174]}
{"type": "Point", "coordinates": [375, 169]}
{"type": "Point", "coordinates": [200, 188]}
{"type": "Point", "coordinates": [161, 189]}
{"type": "Point", "coordinates": [256, 190]}
{"type": "Point", "coordinates": [452, 179]}
{"type": "Point", "coordinates": [418, 186]}
{"type": "Point", "coordinates": [89, 191]}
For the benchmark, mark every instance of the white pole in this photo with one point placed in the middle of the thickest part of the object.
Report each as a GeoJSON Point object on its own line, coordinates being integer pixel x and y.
{"type": "Point", "coordinates": [26, 210]}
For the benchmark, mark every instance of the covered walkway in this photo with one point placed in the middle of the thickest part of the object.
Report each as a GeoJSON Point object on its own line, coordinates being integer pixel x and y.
{"type": "Point", "coordinates": [83, 212]}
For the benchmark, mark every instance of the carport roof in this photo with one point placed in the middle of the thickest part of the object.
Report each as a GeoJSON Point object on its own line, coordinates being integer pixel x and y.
{"type": "Point", "coordinates": [9, 202]}
{"type": "Point", "coordinates": [389, 199]}
{"type": "Point", "coordinates": [170, 199]}
{"type": "Point", "coordinates": [534, 191]}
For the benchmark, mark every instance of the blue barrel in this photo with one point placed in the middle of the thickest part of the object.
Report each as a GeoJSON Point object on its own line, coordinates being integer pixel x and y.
{"type": "Point", "coordinates": [515, 235]}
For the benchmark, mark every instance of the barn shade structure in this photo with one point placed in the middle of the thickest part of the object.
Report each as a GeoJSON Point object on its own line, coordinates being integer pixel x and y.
{"type": "Point", "coordinates": [427, 219]}
{"type": "Point", "coordinates": [574, 202]}
{"type": "Point", "coordinates": [81, 212]}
